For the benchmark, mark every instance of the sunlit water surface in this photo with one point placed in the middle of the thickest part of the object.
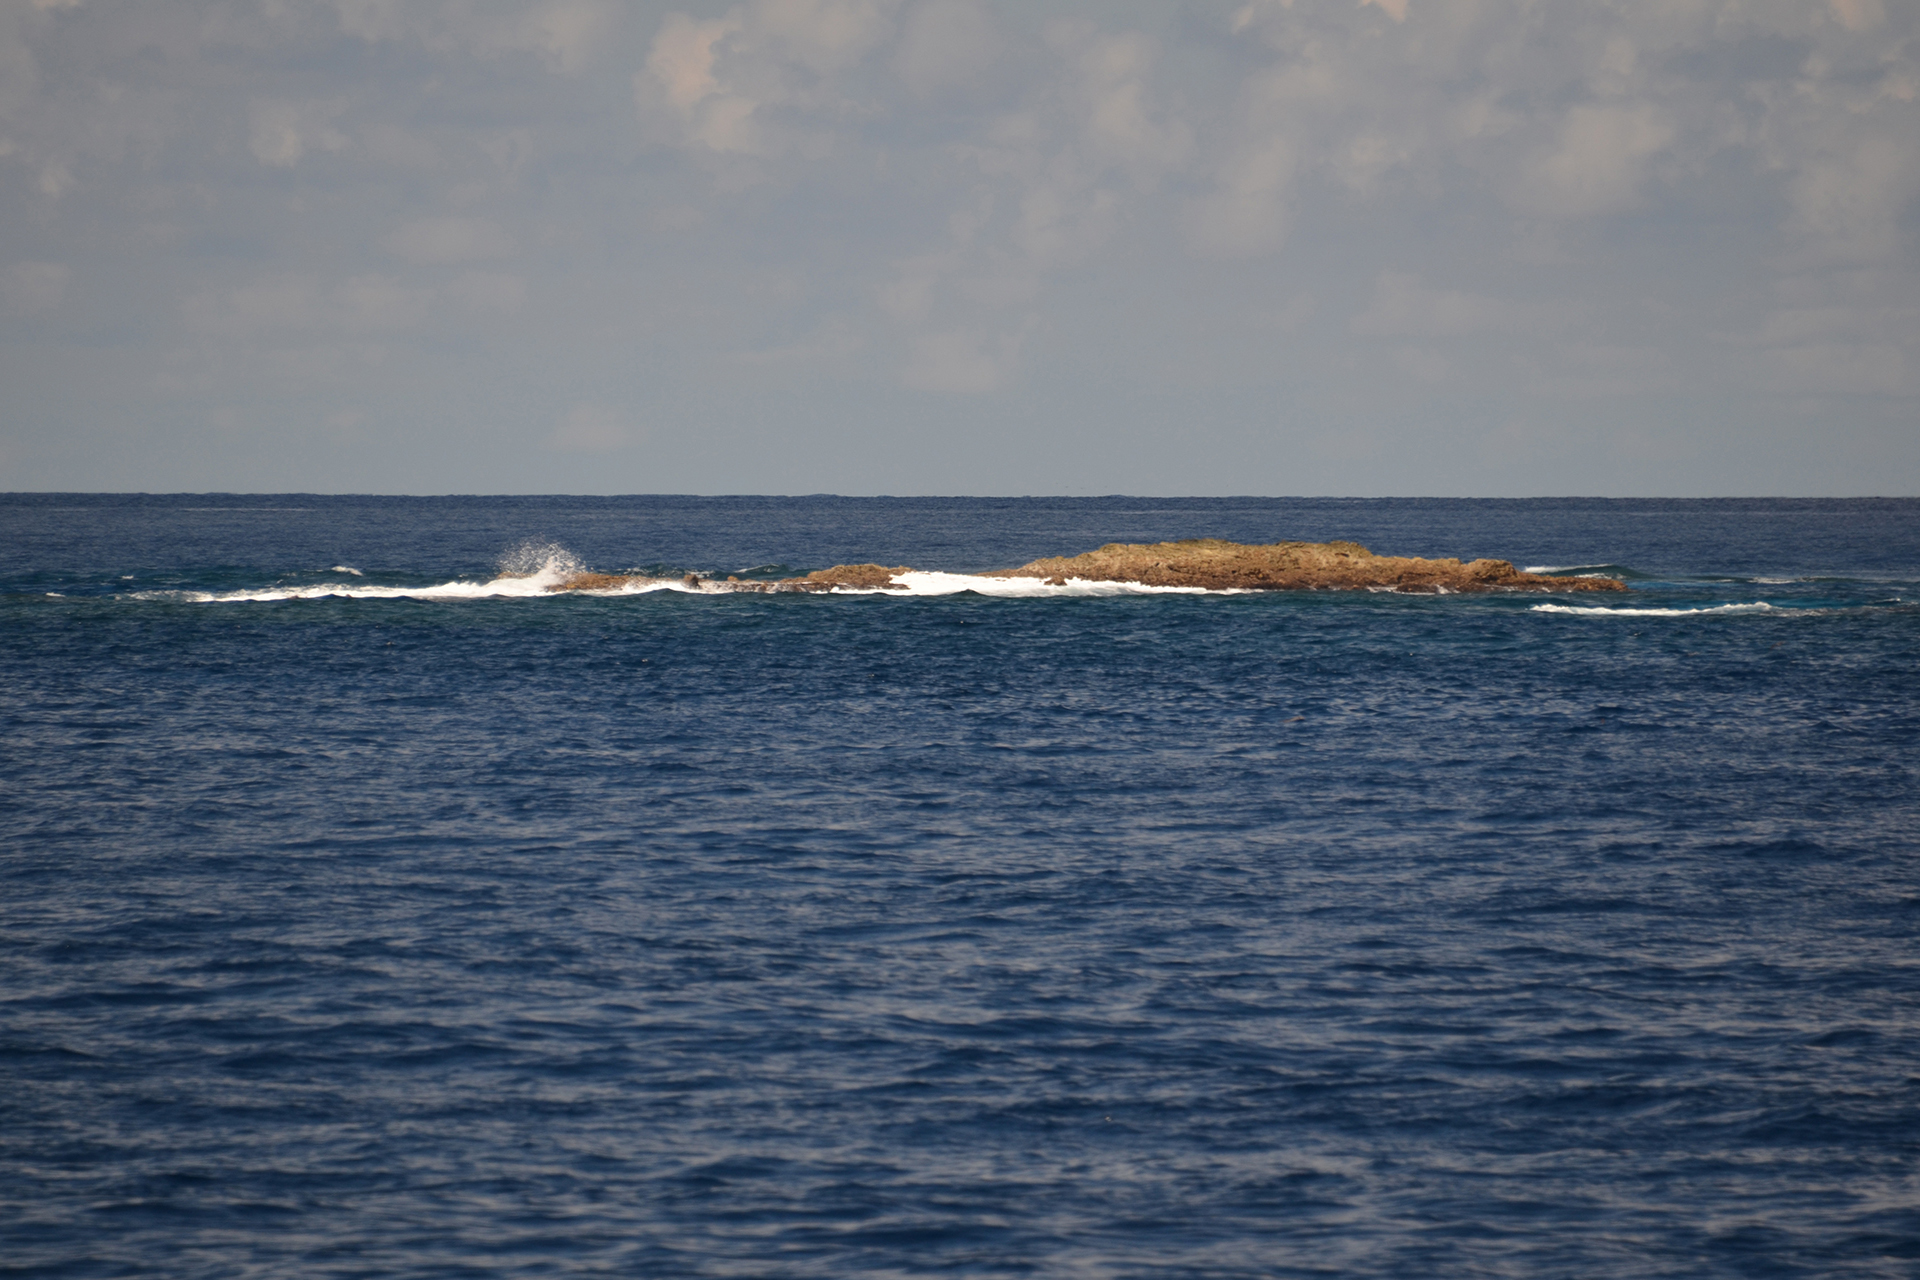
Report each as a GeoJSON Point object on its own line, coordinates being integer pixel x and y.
{"type": "Point", "coordinates": [366, 912]}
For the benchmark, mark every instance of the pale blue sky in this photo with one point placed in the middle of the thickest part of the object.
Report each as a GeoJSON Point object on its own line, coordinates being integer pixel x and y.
{"type": "Point", "coordinates": [1471, 247]}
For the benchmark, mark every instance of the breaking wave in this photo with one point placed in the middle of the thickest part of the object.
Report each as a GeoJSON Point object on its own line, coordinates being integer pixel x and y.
{"type": "Point", "coordinates": [550, 573]}
{"type": "Point", "coordinates": [1594, 611]}
{"type": "Point", "coordinates": [1584, 570]}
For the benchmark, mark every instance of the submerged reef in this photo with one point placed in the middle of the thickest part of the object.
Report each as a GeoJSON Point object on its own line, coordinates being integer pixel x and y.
{"type": "Point", "coordinates": [1207, 563]}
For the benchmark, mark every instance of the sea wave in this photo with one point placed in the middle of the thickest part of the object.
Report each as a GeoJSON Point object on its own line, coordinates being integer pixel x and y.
{"type": "Point", "coordinates": [496, 588]}
{"type": "Point", "coordinates": [542, 584]}
{"type": "Point", "coordinates": [931, 583]}
{"type": "Point", "coordinates": [919, 582]}
{"type": "Point", "coordinates": [1757, 606]}
{"type": "Point", "coordinates": [530, 569]}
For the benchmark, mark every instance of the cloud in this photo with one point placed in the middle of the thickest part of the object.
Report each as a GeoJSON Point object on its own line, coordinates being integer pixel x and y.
{"type": "Point", "coordinates": [1859, 15]}
{"type": "Point", "coordinates": [1277, 132]}
{"type": "Point", "coordinates": [760, 80]}
{"type": "Point", "coordinates": [280, 132]}
{"type": "Point", "coordinates": [946, 44]}
{"type": "Point", "coordinates": [590, 428]}
{"type": "Point", "coordinates": [960, 362]}
{"type": "Point", "coordinates": [34, 286]}
{"type": "Point", "coordinates": [1403, 307]}
{"type": "Point", "coordinates": [758, 201]}
{"type": "Point", "coordinates": [1109, 93]}
{"type": "Point", "coordinates": [1597, 162]}
{"type": "Point", "coordinates": [448, 240]}
{"type": "Point", "coordinates": [570, 34]}
{"type": "Point", "coordinates": [1843, 350]}
{"type": "Point", "coordinates": [55, 180]}
{"type": "Point", "coordinates": [1851, 197]}
{"type": "Point", "coordinates": [300, 306]}
{"type": "Point", "coordinates": [1246, 212]}
{"type": "Point", "coordinates": [489, 291]}
{"type": "Point", "coordinates": [378, 302]}
{"type": "Point", "coordinates": [565, 35]}
{"type": "Point", "coordinates": [680, 69]}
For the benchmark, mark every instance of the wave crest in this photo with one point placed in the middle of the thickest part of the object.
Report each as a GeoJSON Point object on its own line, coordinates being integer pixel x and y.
{"type": "Point", "coordinates": [1758, 606]}
{"type": "Point", "coordinates": [536, 558]}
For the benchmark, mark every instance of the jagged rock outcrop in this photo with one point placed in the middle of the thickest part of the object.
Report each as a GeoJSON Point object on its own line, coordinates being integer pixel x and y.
{"type": "Point", "coordinates": [1209, 563]}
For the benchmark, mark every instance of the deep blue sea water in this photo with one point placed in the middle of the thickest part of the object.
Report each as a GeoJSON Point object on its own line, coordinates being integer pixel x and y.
{"type": "Point", "coordinates": [390, 933]}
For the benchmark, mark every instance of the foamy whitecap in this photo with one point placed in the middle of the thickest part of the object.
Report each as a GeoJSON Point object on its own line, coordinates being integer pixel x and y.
{"type": "Point", "coordinates": [533, 568]}
{"type": "Point", "coordinates": [536, 559]}
{"type": "Point", "coordinates": [933, 583]}
{"type": "Point", "coordinates": [1758, 606]}
{"type": "Point", "coordinates": [495, 589]}
{"type": "Point", "coordinates": [920, 582]}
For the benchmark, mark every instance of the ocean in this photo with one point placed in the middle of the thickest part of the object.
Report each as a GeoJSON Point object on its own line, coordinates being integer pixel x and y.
{"type": "Point", "coordinates": [364, 912]}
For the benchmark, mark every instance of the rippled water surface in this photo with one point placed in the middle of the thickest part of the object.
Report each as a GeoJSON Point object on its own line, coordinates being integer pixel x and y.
{"type": "Point", "coordinates": [360, 918]}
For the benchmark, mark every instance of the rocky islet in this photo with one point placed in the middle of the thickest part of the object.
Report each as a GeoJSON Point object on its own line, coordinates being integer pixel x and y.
{"type": "Point", "coordinates": [1206, 563]}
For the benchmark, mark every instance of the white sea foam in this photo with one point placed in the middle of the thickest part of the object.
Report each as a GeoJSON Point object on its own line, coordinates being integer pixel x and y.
{"type": "Point", "coordinates": [494, 589]}
{"type": "Point", "coordinates": [534, 558]}
{"type": "Point", "coordinates": [1758, 606]}
{"type": "Point", "coordinates": [532, 569]}
{"type": "Point", "coordinates": [920, 582]}
{"type": "Point", "coordinates": [930, 583]}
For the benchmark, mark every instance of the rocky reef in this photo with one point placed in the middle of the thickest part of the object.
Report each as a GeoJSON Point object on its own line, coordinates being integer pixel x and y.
{"type": "Point", "coordinates": [1292, 566]}
{"type": "Point", "coordinates": [1207, 563]}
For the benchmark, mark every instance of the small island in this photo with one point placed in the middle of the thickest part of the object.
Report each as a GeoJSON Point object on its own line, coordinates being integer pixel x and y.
{"type": "Point", "coordinates": [1209, 564]}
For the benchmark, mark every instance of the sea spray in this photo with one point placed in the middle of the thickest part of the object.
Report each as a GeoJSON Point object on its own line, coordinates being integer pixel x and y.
{"type": "Point", "coordinates": [540, 558]}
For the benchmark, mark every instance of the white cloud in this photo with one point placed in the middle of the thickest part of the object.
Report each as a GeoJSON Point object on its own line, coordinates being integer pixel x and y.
{"type": "Point", "coordinates": [1859, 15]}
{"type": "Point", "coordinates": [280, 132]}
{"type": "Point", "coordinates": [960, 362]}
{"type": "Point", "coordinates": [680, 68]}
{"type": "Point", "coordinates": [1834, 349]}
{"type": "Point", "coordinates": [836, 194]}
{"type": "Point", "coordinates": [1246, 212]}
{"type": "Point", "coordinates": [1598, 161]}
{"type": "Point", "coordinates": [946, 44]}
{"type": "Point", "coordinates": [55, 180]}
{"type": "Point", "coordinates": [34, 286]}
{"type": "Point", "coordinates": [1110, 95]}
{"type": "Point", "coordinates": [301, 306]}
{"type": "Point", "coordinates": [489, 291]}
{"type": "Point", "coordinates": [1403, 307]}
{"type": "Point", "coordinates": [760, 80]}
{"type": "Point", "coordinates": [565, 35]}
{"type": "Point", "coordinates": [448, 240]}
{"type": "Point", "coordinates": [1275, 133]}
{"type": "Point", "coordinates": [378, 302]}
{"type": "Point", "coordinates": [1851, 197]}
{"type": "Point", "coordinates": [590, 428]}
{"type": "Point", "coordinates": [570, 34]}
{"type": "Point", "coordinates": [279, 302]}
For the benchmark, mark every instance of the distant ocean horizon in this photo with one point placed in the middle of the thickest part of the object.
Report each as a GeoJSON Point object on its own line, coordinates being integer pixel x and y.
{"type": "Point", "coordinates": [367, 909]}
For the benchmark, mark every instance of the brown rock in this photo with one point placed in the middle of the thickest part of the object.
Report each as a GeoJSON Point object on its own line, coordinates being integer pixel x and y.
{"type": "Point", "coordinates": [1217, 565]}
{"type": "Point", "coordinates": [868, 577]}
{"type": "Point", "coordinates": [595, 582]}
{"type": "Point", "coordinates": [1208, 563]}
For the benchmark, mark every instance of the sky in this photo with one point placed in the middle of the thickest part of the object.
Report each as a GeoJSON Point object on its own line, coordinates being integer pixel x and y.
{"type": "Point", "coordinates": [1191, 247]}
